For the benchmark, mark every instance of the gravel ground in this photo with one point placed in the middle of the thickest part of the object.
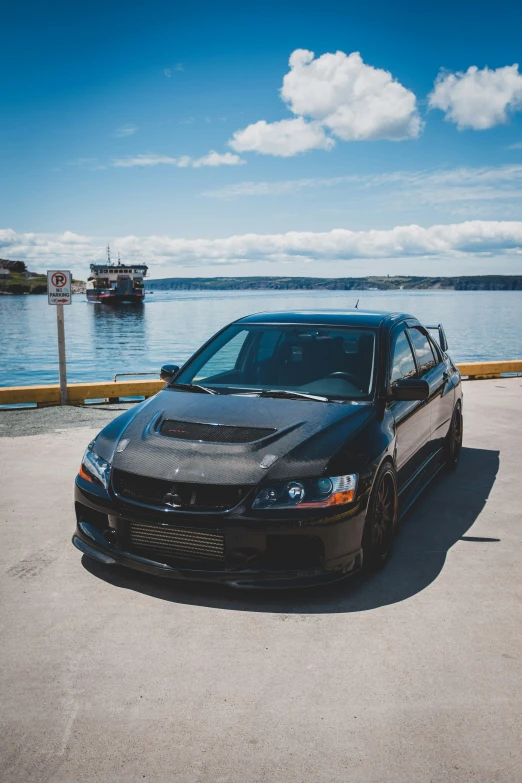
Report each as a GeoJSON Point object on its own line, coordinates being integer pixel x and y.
{"type": "Point", "coordinates": [19, 422]}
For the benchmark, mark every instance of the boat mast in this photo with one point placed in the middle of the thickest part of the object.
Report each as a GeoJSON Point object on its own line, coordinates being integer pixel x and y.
{"type": "Point", "coordinates": [109, 254]}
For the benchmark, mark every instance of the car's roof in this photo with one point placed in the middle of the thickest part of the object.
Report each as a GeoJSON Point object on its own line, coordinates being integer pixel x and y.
{"type": "Point", "coordinates": [354, 317]}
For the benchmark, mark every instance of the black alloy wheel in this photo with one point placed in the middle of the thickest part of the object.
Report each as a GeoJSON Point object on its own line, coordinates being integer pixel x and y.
{"type": "Point", "coordinates": [381, 519]}
{"type": "Point", "coordinates": [453, 444]}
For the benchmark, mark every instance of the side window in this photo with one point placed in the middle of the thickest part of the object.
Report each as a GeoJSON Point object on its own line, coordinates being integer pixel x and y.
{"type": "Point", "coordinates": [436, 350]}
{"type": "Point", "coordinates": [402, 363]}
{"type": "Point", "coordinates": [423, 351]}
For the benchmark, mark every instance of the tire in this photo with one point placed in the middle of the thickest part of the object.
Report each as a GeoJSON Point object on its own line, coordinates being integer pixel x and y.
{"type": "Point", "coordinates": [381, 519]}
{"type": "Point", "coordinates": [453, 444]}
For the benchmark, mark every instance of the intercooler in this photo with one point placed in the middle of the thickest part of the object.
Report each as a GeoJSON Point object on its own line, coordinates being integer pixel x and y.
{"type": "Point", "coordinates": [164, 541]}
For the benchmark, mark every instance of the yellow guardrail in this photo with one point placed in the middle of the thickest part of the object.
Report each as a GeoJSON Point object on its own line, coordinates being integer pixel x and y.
{"type": "Point", "coordinates": [112, 391]}
{"type": "Point", "coordinates": [480, 370]}
{"type": "Point", "coordinates": [78, 392]}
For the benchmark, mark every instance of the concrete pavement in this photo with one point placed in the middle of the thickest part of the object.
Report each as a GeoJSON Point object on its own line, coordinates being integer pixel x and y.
{"type": "Point", "coordinates": [409, 676]}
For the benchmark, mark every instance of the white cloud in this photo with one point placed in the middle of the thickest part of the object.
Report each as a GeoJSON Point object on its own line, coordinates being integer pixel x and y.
{"type": "Point", "coordinates": [146, 159]}
{"type": "Point", "coordinates": [178, 67]}
{"type": "Point", "coordinates": [275, 188]}
{"type": "Point", "coordinates": [341, 94]}
{"type": "Point", "coordinates": [151, 159]}
{"type": "Point", "coordinates": [218, 159]}
{"type": "Point", "coordinates": [125, 130]}
{"type": "Point", "coordinates": [413, 241]}
{"type": "Point", "coordinates": [354, 100]}
{"type": "Point", "coordinates": [478, 99]}
{"type": "Point", "coordinates": [284, 138]}
{"type": "Point", "coordinates": [439, 186]}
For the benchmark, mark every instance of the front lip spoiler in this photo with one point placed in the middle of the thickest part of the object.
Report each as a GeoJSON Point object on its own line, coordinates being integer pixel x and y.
{"type": "Point", "coordinates": [87, 549]}
{"type": "Point", "coordinates": [250, 579]}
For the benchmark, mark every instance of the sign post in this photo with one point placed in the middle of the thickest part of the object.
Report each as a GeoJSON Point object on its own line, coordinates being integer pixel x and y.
{"type": "Point", "coordinates": [59, 293]}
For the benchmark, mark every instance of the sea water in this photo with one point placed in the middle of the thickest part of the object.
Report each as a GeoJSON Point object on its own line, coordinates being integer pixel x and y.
{"type": "Point", "coordinates": [102, 340]}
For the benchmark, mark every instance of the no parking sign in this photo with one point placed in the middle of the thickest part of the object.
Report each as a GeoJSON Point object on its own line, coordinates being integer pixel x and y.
{"type": "Point", "coordinates": [59, 293]}
{"type": "Point", "coordinates": [59, 287]}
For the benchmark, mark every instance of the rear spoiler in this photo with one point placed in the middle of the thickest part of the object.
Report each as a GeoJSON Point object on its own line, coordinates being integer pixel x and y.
{"type": "Point", "coordinates": [442, 341]}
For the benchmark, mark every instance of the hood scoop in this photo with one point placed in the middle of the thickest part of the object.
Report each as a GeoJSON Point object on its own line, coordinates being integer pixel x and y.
{"type": "Point", "coordinates": [213, 433]}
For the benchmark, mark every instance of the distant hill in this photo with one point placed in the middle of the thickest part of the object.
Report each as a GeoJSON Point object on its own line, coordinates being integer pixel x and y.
{"type": "Point", "coordinates": [398, 282]}
{"type": "Point", "coordinates": [15, 278]}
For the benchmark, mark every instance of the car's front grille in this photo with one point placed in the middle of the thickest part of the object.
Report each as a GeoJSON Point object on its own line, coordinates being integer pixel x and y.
{"type": "Point", "coordinates": [213, 433]}
{"type": "Point", "coordinates": [175, 543]}
{"type": "Point", "coordinates": [193, 497]}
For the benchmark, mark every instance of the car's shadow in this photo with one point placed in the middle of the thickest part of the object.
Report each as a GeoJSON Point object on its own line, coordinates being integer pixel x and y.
{"type": "Point", "coordinates": [440, 518]}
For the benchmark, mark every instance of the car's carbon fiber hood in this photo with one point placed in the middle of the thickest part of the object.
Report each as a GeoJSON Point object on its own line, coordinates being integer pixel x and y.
{"type": "Point", "coordinates": [307, 435]}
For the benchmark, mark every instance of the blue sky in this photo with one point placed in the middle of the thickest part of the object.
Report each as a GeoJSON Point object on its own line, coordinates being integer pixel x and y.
{"type": "Point", "coordinates": [110, 111]}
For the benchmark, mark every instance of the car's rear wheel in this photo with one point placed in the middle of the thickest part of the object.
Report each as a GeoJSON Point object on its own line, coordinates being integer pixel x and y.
{"type": "Point", "coordinates": [381, 519]}
{"type": "Point", "coordinates": [453, 445]}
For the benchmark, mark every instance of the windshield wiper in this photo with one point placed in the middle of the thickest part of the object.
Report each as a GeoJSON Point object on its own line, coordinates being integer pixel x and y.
{"type": "Point", "coordinates": [192, 387]}
{"type": "Point", "coordinates": [292, 395]}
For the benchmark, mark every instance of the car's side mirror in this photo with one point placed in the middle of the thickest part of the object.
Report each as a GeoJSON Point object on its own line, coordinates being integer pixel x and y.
{"type": "Point", "coordinates": [168, 371]}
{"type": "Point", "coordinates": [443, 343]}
{"type": "Point", "coordinates": [411, 389]}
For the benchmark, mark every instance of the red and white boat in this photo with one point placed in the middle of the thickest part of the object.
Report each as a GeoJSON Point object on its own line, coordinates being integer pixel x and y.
{"type": "Point", "coordinates": [114, 283]}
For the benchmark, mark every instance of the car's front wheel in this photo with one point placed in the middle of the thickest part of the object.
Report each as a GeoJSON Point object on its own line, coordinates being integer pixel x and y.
{"type": "Point", "coordinates": [381, 519]}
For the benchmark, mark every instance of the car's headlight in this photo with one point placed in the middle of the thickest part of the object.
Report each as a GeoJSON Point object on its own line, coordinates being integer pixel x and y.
{"type": "Point", "coordinates": [308, 493]}
{"type": "Point", "coordinates": [95, 469]}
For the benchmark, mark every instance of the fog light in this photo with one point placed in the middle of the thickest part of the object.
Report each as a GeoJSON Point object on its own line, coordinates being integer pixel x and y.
{"type": "Point", "coordinates": [111, 536]}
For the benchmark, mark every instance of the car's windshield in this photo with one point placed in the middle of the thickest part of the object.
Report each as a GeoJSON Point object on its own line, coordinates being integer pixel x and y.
{"type": "Point", "coordinates": [334, 362]}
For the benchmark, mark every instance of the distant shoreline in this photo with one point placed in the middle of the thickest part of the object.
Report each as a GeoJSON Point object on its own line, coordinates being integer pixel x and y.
{"type": "Point", "coordinates": [391, 283]}
{"type": "Point", "coordinates": [37, 284]}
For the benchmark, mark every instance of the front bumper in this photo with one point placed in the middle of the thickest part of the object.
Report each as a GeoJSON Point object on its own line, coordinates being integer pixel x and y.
{"type": "Point", "coordinates": [258, 551]}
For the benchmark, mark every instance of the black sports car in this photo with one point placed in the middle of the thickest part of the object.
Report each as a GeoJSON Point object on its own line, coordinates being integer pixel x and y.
{"type": "Point", "coordinates": [282, 453]}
